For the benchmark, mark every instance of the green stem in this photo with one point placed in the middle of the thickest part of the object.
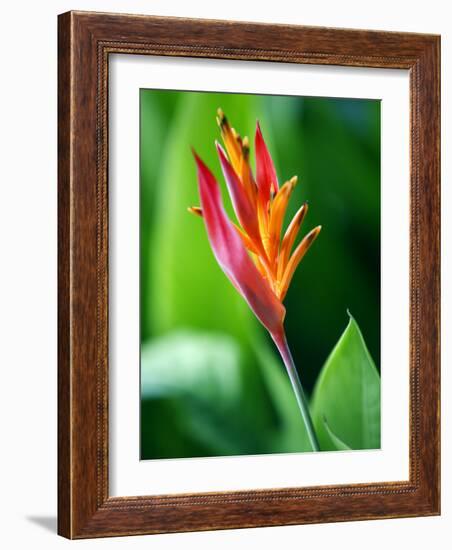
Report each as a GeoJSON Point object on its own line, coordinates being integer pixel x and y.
{"type": "Point", "coordinates": [283, 348]}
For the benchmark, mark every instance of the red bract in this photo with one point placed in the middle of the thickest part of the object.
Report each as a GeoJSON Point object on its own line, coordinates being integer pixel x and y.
{"type": "Point", "coordinates": [267, 180]}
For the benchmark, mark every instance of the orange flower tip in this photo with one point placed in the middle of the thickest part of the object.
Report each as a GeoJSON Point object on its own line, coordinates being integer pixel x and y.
{"type": "Point", "coordinates": [246, 147]}
{"type": "Point", "coordinates": [313, 234]}
{"type": "Point", "coordinates": [236, 136]}
{"type": "Point", "coordinates": [221, 118]}
{"type": "Point", "coordinates": [293, 181]}
{"type": "Point", "coordinates": [300, 215]}
{"type": "Point", "coordinates": [196, 210]}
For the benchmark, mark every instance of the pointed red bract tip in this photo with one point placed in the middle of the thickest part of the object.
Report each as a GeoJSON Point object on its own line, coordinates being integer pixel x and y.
{"type": "Point", "coordinates": [265, 170]}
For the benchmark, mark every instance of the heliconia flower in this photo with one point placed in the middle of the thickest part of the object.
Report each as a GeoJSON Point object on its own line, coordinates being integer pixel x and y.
{"type": "Point", "coordinates": [260, 205]}
{"type": "Point", "coordinates": [255, 254]}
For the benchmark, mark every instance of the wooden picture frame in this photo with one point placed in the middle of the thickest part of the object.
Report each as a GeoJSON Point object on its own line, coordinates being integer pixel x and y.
{"type": "Point", "coordinates": [85, 42]}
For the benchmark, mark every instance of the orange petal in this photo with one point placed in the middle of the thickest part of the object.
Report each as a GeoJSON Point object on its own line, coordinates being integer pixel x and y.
{"type": "Point", "coordinates": [262, 217]}
{"type": "Point", "coordinates": [260, 266]}
{"type": "Point", "coordinates": [257, 254]}
{"type": "Point", "coordinates": [277, 212]}
{"type": "Point", "coordinates": [289, 239]}
{"type": "Point", "coordinates": [295, 259]}
{"type": "Point", "coordinates": [246, 174]}
{"type": "Point", "coordinates": [246, 240]}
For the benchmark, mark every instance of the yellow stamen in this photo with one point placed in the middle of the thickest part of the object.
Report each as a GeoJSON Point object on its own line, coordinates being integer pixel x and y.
{"type": "Point", "coordinates": [289, 239]}
{"type": "Point", "coordinates": [296, 258]}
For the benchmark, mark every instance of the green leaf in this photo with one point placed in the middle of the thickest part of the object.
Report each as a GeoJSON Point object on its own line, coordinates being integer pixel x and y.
{"type": "Point", "coordinates": [347, 394]}
{"type": "Point", "coordinates": [340, 445]}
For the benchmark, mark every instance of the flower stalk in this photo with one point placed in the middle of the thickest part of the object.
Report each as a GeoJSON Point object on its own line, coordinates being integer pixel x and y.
{"type": "Point", "coordinates": [286, 355]}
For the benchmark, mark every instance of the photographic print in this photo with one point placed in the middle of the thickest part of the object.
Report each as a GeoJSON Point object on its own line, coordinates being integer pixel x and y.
{"type": "Point", "coordinates": [248, 245]}
{"type": "Point", "coordinates": [259, 274]}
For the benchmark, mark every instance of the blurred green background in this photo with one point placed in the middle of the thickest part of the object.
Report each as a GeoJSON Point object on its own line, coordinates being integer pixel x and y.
{"type": "Point", "coordinates": [211, 381]}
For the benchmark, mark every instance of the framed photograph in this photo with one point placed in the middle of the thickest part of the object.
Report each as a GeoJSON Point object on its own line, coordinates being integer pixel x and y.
{"type": "Point", "coordinates": [248, 275]}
